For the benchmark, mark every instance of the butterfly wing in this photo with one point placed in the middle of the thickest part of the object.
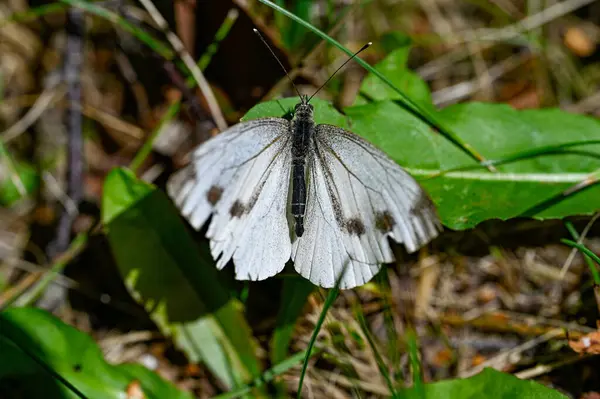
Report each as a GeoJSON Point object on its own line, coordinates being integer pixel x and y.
{"type": "Point", "coordinates": [357, 197]}
{"type": "Point", "coordinates": [241, 176]}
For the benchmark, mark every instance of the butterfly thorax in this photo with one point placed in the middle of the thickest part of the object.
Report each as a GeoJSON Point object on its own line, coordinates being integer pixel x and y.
{"type": "Point", "coordinates": [303, 126]}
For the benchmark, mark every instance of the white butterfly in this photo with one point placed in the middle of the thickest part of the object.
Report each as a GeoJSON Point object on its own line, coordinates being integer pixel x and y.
{"type": "Point", "coordinates": [316, 194]}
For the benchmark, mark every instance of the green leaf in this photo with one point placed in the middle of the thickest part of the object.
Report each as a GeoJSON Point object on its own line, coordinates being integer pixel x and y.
{"type": "Point", "coordinates": [489, 383]}
{"type": "Point", "coordinates": [38, 351]}
{"type": "Point", "coordinates": [527, 187]}
{"type": "Point", "coordinates": [395, 69]}
{"type": "Point", "coordinates": [530, 186]}
{"type": "Point", "coordinates": [176, 283]}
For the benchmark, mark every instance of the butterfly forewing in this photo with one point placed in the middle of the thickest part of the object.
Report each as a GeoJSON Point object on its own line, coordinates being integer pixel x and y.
{"type": "Point", "coordinates": [241, 176]}
{"type": "Point", "coordinates": [357, 197]}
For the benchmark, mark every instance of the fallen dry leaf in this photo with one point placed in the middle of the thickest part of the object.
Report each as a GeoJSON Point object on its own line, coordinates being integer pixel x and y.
{"type": "Point", "coordinates": [588, 344]}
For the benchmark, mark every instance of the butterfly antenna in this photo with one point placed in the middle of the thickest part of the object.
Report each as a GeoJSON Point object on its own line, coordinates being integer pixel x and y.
{"type": "Point", "coordinates": [363, 48]}
{"type": "Point", "coordinates": [274, 56]}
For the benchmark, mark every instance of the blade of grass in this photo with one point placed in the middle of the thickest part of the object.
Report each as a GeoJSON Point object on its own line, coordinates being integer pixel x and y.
{"type": "Point", "coordinates": [331, 297]}
{"type": "Point", "coordinates": [184, 55]}
{"type": "Point", "coordinates": [360, 317]}
{"type": "Point", "coordinates": [394, 346]}
{"type": "Point", "coordinates": [429, 116]}
{"type": "Point", "coordinates": [415, 363]}
{"type": "Point", "coordinates": [526, 154]}
{"type": "Point", "coordinates": [576, 236]}
{"type": "Point", "coordinates": [221, 34]}
{"type": "Point", "coordinates": [268, 376]}
{"type": "Point", "coordinates": [146, 148]}
{"type": "Point", "coordinates": [593, 269]}
{"type": "Point", "coordinates": [174, 108]}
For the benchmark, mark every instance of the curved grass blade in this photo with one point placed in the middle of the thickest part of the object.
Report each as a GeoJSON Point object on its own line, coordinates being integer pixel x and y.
{"type": "Point", "coordinates": [360, 317]}
{"type": "Point", "coordinates": [593, 269]}
{"type": "Point", "coordinates": [146, 148]}
{"type": "Point", "coordinates": [526, 154]}
{"type": "Point", "coordinates": [428, 116]}
{"type": "Point", "coordinates": [268, 376]}
{"type": "Point", "coordinates": [576, 237]}
{"type": "Point", "coordinates": [331, 297]}
{"type": "Point", "coordinates": [415, 363]}
{"type": "Point", "coordinates": [395, 348]}
{"type": "Point", "coordinates": [220, 35]}
{"type": "Point", "coordinates": [587, 182]}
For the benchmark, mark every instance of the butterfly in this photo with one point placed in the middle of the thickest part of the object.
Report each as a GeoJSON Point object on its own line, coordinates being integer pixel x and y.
{"type": "Point", "coordinates": [317, 194]}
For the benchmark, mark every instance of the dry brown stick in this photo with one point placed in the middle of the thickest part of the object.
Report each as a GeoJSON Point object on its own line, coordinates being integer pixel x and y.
{"type": "Point", "coordinates": [211, 100]}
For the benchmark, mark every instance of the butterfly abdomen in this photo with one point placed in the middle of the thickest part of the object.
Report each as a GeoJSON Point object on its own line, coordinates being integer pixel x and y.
{"type": "Point", "coordinates": [298, 195]}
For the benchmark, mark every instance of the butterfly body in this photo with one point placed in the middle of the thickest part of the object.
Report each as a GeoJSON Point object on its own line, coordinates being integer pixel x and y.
{"type": "Point", "coordinates": [343, 197]}
{"type": "Point", "coordinates": [302, 128]}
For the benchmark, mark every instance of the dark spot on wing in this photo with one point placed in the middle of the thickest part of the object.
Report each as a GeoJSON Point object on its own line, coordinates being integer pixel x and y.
{"type": "Point", "coordinates": [237, 209]}
{"type": "Point", "coordinates": [384, 221]}
{"type": "Point", "coordinates": [255, 196]}
{"type": "Point", "coordinates": [423, 204]}
{"type": "Point", "coordinates": [355, 226]}
{"type": "Point", "coordinates": [214, 195]}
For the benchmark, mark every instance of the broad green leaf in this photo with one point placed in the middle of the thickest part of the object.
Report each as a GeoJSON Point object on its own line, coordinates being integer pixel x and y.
{"type": "Point", "coordinates": [489, 383]}
{"type": "Point", "coordinates": [176, 283]}
{"type": "Point", "coordinates": [295, 292]}
{"type": "Point", "coordinates": [531, 187]}
{"type": "Point", "coordinates": [465, 198]}
{"type": "Point", "coordinates": [395, 69]}
{"type": "Point", "coordinates": [36, 349]}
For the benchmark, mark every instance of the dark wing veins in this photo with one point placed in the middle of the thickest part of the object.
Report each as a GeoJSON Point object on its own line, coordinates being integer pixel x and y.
{"type": "Point", "coordinates": [238, 208]}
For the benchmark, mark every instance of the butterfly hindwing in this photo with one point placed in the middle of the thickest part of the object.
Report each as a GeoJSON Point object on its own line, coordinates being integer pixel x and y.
{"type": "Point", "coordinates": [359, 197]}
{"type": "Point", "coordinates": [242, 177]}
